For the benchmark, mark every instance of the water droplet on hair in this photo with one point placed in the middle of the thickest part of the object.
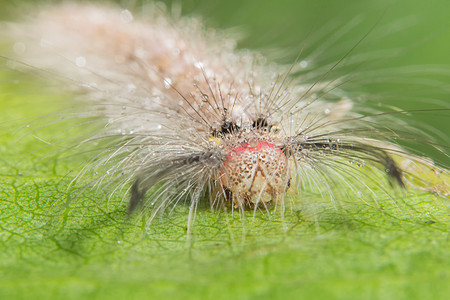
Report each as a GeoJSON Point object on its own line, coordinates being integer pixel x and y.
{"type": "Point", "coordinates": [199, 65]}
{"type": "Point", "coordinates": [126, 16]}
{"type": "Point", "coordinates": [80, 61]}
{"type": "Point", "coordinates": [131, 87]}
{"type": "Point", "coordinates": [167, 82]}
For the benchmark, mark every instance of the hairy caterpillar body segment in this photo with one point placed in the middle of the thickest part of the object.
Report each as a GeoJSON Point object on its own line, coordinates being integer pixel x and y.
{"type": "Point", "coordinates": [187, 117]}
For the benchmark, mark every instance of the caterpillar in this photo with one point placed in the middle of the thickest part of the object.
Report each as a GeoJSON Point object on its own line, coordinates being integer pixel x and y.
{"type": "Point", "coordinates": [187, 118]}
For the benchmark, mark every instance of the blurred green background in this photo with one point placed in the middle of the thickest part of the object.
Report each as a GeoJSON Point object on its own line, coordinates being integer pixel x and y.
{"type": "Point", "coordinates": [407, 63]}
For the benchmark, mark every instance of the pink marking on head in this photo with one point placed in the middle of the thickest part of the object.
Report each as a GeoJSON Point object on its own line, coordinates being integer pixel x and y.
{"type": "Point", "coordinates": [248, 148]}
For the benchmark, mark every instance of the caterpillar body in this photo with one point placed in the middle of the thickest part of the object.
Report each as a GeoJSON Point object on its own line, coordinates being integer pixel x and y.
{"type": "Point", "coordinates": [187, 117]}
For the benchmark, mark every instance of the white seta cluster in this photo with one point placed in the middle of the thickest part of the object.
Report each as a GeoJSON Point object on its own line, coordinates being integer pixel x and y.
{"type": "Point", "coordinates": [187, 118]}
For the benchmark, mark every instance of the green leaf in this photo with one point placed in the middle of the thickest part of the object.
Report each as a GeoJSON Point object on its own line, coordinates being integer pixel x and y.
{"type": "Point", "coordinates": [88, 249]}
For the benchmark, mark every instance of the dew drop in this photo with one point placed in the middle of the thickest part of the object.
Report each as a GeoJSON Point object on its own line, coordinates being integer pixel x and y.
{"type": "Point", "coordinates": [131, 87]}
{"type": "Point", "coordinates": [199, 65]}
{"type": "Point", "coordinates": [253, 142]}
{"type": "Point", "coordinates": [167, 82]}
{"type": "Point", "coordinates": [126, 16]}
{"type": "Point", "coordinates": [80, 61]}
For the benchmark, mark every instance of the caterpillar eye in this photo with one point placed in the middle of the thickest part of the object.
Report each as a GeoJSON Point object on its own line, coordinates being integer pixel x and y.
{"type": "Point", "coordinates": [262, 124]}
{"type": "Point", "coordinates": [226, 128]}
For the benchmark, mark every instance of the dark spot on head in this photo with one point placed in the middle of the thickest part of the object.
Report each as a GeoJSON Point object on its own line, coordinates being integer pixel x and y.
{"type": "Point", "coordinates": [226, 128]}
{"type": "Point", "coordinates": [261, 123]}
